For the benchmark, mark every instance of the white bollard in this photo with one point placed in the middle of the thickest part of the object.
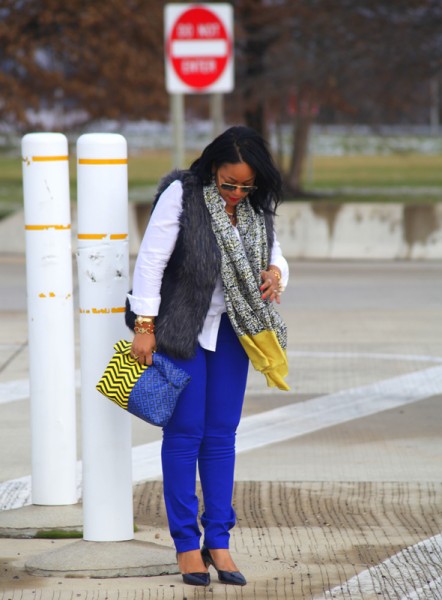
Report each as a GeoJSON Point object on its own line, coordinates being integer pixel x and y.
{"type": "Point", "coordinates": [103, 278]}
{"type": "Point", "coordinates": [50, 318]}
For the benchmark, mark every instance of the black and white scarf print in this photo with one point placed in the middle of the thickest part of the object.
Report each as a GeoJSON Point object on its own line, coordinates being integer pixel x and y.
{"type": "Point", "coordinates": [241, 264]}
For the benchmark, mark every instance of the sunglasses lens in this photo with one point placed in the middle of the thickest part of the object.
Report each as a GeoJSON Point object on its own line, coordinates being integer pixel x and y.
{"type": "Point", "coordinates": [244, 189]}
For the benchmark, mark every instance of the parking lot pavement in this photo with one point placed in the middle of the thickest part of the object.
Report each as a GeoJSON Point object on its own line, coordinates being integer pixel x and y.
{"type": "Point", "coordinates": [338, 488]}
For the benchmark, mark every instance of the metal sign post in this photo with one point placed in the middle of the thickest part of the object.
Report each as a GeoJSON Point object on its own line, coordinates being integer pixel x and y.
{"type": "Point", "coordinates": [199, 59]}
{"type": "Point", "coordinates": [177, 116]}
{"type": "Point", "coordinates": [217, 113]}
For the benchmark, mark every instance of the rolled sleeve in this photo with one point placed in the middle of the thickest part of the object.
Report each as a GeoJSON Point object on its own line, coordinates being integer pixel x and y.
{"type": "Point", "coordinates": [279, 261]}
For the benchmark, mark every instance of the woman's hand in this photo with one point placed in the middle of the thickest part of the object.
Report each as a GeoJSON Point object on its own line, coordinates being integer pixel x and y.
{"type": "Point", "coordinates": [143, 345]}
{"type": "Point", "coordinates": [270, 287]}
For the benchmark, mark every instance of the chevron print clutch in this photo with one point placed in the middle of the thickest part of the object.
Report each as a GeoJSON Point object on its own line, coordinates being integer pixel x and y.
{"type": "Point", "coordinates": [148, 392]}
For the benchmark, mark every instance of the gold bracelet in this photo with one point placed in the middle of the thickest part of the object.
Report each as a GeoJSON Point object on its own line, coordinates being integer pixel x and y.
{"type": "Point", "coordinates": [140, 320]}
{"type": "Point", "coordinates": [149, 329]}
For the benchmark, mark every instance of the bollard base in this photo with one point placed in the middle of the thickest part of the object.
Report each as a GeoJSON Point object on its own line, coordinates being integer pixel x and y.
{"type": "Point", "coordinates": [105, 559]}
{"type": "Point", "coordinates": [42, 522]}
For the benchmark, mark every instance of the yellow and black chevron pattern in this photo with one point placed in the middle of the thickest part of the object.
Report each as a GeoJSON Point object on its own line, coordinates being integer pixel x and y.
{"type": "Point", "coordinates": [120, 375]}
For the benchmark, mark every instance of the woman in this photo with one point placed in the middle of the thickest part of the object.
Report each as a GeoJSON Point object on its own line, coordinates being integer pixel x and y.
{"type": "Point", "coordinates": [208, 271]}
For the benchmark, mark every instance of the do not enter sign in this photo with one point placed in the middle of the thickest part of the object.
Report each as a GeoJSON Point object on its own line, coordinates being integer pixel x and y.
{"type": "Point", "coordinates": [199, 48]}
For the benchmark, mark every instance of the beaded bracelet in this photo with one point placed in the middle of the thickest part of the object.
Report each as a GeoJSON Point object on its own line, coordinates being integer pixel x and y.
{"type": "Point", "coordinates": [150, 328]}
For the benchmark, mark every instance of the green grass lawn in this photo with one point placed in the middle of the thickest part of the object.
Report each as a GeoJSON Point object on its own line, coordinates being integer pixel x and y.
{"type": "Point", "coordinates": [390, 171]}
{"type": "Point", "coordinates": [342, 178]}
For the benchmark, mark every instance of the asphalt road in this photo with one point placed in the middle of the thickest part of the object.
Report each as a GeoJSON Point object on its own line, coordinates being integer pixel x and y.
{"type": "Point", "coordinates": [338, 489]}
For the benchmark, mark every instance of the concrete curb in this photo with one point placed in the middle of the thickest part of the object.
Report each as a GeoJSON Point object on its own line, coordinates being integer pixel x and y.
{"type": "Point", "coordinates": [311, 230]}
{"type": "Point", "coordinates": [328, 230]}
{"type": "Point", "coordinates": [132, 558]}
{"type": "Point", "coordinates": [41, 521]}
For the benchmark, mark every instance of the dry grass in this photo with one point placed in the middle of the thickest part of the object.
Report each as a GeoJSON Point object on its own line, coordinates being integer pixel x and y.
{"type": "Point", "coordinates": [411, 170]}
{"type": "Point", "coordinates": [420, 175]}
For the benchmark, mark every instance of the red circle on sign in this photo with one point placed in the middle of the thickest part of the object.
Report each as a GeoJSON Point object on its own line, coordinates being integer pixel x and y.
{"type": "Point", "coordinates": [199, 47]}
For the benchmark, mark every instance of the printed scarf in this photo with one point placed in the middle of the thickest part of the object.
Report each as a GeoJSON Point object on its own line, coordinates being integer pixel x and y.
{"type": "Point", "coordinates": [259, 327]}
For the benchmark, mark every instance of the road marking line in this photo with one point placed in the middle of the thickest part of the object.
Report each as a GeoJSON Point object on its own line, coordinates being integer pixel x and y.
{"type": "Point", "coordinates": [312, 415]}
{"type": "Point", "coordinates": [146, 460]}
{"type": "Point", "coordinates": [291, 421]}
{"type": "Point", "coordinates": [12, 391]}
{"type": "Point", "coordinates": [18, 389]}
{"type": "Point", "coordinates": [427, 591]}
{"type": "Point", "coordinates": [15, 493]}
{"type": "Point", "coordinates": [369, 355]}
{"type": "Point", "coordinates": [415, 565]}
{"type": "Point", "coordinates": [408, 575]}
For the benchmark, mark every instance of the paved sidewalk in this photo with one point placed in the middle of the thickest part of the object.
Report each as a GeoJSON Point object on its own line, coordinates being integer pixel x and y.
{"type": "Point", "coordinates": [338, 488]}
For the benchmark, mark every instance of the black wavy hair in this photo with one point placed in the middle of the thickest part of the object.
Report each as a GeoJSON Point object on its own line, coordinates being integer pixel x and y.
{"type": "Point", "coordinates": [243, 144]}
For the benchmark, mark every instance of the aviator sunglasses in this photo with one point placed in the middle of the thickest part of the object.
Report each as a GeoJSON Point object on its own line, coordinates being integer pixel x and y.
{"type": "Point", "coordinates": [244, 189]}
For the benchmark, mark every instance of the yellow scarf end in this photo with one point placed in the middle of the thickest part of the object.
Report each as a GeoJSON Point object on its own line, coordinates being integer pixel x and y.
{"type": "Point", "coordinates": [274, 380]}
{"type": "Point", "coordinates": [267, 356]}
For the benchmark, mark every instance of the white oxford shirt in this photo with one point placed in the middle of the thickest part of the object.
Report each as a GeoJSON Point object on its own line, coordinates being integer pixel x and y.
{"type": "Point", "coordinates": [156, 248]}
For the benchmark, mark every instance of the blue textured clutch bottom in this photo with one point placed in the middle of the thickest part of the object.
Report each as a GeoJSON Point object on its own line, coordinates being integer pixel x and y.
{"type": "Point", "coordinates": [155, 394]}
{"type": "Point", "coordinates": [148, 392]}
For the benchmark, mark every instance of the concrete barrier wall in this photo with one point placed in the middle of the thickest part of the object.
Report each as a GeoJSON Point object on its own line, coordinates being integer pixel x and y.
{"type": "Point", "coordinates": [327, 230]}
{"type": "Point", "coordinates": [313, 230]}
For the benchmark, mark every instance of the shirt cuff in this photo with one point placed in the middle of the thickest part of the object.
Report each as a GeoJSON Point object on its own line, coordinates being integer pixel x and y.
{"type": "Point", "coordinates": [281, 263]}
{"type": "Point", "coordinates": [144, 306]}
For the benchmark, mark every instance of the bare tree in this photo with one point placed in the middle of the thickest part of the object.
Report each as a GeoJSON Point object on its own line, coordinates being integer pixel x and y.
{"type": "Point", "coordinates": [294, 60]}
{"type": "Point", "coordinates": [104, 57]}
{"type": "Point", "coordinates": [365, 58]}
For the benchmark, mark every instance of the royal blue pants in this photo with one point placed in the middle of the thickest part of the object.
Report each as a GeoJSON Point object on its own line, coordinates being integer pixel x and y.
{"type": "Point", "coordinates": [201, 433]}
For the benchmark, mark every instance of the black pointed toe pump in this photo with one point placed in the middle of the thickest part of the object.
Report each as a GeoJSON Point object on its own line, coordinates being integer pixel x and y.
{"type": "Point", "coordinates": [228, 577]}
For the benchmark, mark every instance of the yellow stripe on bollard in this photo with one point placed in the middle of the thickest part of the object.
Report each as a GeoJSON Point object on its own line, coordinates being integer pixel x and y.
{"type": "Point", "coordinates": [101, 236]}
{"type": "Point", "coordinates": [91, 236]}
{"type": "Point", "coordinates": [44, 227]}
{"type": "Point", "coordinates": [48, 158]}
{"type": "Point", "coordinates": [101, 311]}
{"type": "Point", "coordinates": [102, 161]}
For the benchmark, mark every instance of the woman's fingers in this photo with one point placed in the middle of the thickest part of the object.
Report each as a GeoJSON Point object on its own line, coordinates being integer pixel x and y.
{"type": "Point", "coordinates": [269, 287]}
{"type": "Point", "coordinates": [143, 359]}
{"type": "Point", "coordinates": [147, 360]}
{"type": "Point", "coordinates": [142, 348]}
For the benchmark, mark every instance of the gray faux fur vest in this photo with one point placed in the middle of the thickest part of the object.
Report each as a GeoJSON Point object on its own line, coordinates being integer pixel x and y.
{"type": "Point", "coordinates": [191, 273]}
